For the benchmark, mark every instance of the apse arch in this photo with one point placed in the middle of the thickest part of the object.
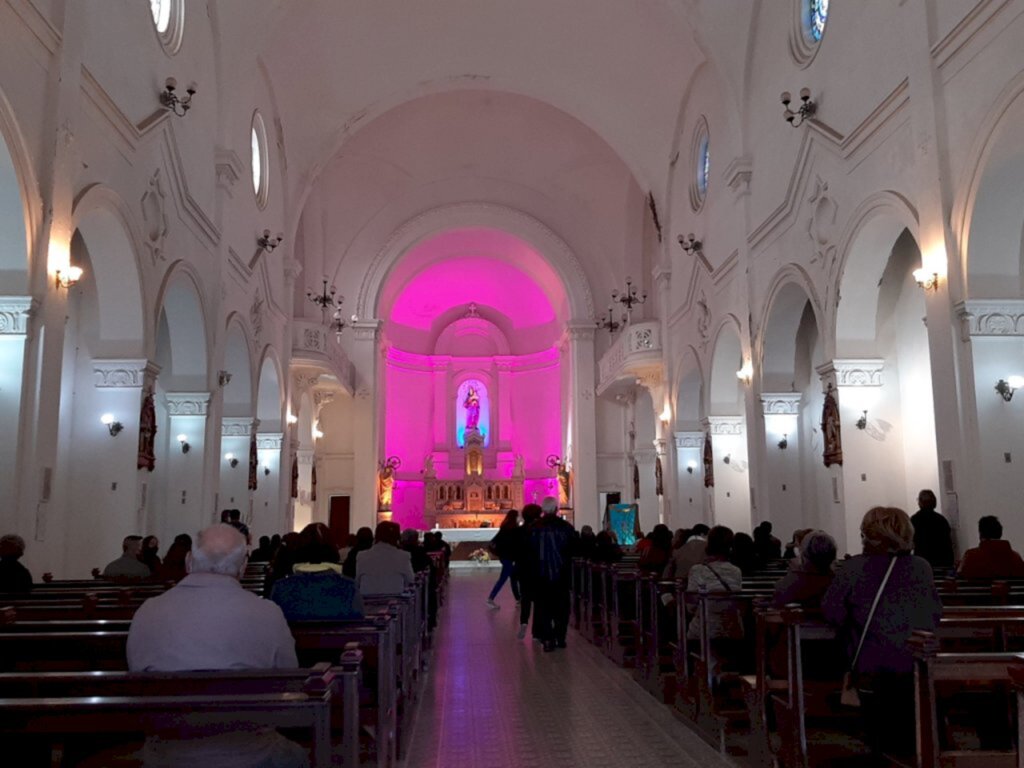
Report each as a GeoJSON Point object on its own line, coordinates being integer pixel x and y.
{"type": "Point", "coordinates": [19, 203]}
{"type": "Point", "coordinates": [467, 216]}
{"type": "Point", "coordinates": [106, 226]}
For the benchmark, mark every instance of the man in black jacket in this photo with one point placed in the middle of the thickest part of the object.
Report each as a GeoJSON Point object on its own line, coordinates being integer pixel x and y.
{"type": "Point", "coordinates": [551, 561]}
{"type": "Point", "coordinates": [932, 538]}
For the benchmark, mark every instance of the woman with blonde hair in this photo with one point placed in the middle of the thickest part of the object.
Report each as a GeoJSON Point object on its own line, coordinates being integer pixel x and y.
{"type": "Point", "coordinates": [876, 600]}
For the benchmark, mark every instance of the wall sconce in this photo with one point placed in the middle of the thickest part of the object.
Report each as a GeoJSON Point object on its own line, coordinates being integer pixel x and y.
{"type": "Point", "coordinates": [727, 458]}
{"type": "Point", "coordinates": [337, 325]}
{"type": "Point", "coordinates": [690, 466]}
{"type": "Point", "coordinates": [293, 419]}
{"type": "Point", "coordinates": [746, 373]}
{"type": "Point", "coordinates": [223, 378]}
{"type": "Point", "coordinates": [691, 245]}
{"type": "Point", "coordinates": [784, 442]}
{"type": "Point", "coordinates": [927, 280]}
{"type": "Point", "coordinates": [666, 414]}
{"type": "Point", "coordinates": [806, 109]}
{"type": "Point", "coordinates": [862, 422]}
{"type": "Point", "coordinates": [268, 243]}
{"type": "Point", "coordinates": [115, 427]}
{"type": "Point", "coordinates": [230, 459]}
{"type": "Point", "coordinates": [1006, 387]}
{"type": "Point", "coordinates": [65, 279]}
{"type": "Point", "coordinates": [170, 100]}
{"type": "Point", "coordinates": [183, 439]}
{"type": "Point", "coordinates": [317, 433]}
{"type": "Point", "coordinates": [609, 325]}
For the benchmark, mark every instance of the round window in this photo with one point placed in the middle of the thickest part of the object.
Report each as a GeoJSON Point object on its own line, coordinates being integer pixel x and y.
{"type": "Point", "coordinates": [701, 159]}
{"type": "Point", "coordinates": [168, 18]}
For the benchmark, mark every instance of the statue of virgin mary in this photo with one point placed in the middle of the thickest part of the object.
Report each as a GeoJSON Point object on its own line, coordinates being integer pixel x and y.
{"type": "Point", "coordinates": [472, 406]}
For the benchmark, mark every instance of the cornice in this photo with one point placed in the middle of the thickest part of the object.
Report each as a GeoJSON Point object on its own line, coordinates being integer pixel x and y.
{"type": "Point", "coordinates": [187, 403]}
{"type": "Point", "coordinates": [780, 403]}
{"type": "Point", "coordinates": [14, 314]}
{"type": "Point", "coordinates": [123, 374]}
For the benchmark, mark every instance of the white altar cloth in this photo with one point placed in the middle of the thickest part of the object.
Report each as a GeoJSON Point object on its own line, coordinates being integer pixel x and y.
{"type": "Point", "coordinates": [454, 535]}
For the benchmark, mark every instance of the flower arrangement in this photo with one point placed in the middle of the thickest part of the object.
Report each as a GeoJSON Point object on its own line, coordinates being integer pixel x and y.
{"type": "Point", "coordinates": [480, 556]}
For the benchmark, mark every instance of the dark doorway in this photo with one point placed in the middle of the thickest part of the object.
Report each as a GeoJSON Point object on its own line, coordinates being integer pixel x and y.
{"type": "Point", "coordinates": [339, 519]}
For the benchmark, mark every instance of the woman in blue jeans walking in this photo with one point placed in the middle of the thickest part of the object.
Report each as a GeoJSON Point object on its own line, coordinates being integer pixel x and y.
{"type": "Point", "coordinates": [503, 545]}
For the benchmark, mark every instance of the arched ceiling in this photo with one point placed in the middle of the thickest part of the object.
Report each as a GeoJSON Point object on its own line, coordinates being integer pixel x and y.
{"type": "Point", "coordinates": [621, 69]}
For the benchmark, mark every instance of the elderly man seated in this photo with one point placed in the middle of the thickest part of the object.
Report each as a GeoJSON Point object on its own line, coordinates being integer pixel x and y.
{"type": "Point", "coordinates": [128, 566]}
{"type": "Point", "coordinates": [208, 621]}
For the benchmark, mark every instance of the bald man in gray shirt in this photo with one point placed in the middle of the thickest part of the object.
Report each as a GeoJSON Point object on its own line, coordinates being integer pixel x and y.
{"type": "Point", "coordinates": [208, 621]}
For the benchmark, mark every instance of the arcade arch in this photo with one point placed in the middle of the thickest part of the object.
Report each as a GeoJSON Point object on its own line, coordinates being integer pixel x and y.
{"type": "Point", "coordinates": [727, 426]}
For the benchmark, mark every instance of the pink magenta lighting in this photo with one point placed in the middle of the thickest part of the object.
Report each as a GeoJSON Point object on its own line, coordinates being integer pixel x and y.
{"type": "Point", "coordinates": [451, 298]}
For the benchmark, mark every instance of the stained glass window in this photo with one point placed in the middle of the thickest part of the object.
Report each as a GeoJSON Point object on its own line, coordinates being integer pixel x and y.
{"type": "Point", "coordinates": [817, 17]}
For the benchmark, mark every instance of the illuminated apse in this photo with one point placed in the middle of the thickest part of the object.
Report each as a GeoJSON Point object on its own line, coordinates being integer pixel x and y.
{"type": "Point", "coordinates": [476, 310]}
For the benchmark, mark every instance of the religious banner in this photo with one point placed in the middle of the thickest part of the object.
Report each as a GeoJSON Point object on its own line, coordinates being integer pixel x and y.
{"type": "Point", "coordinates": [636, 480]}
{"type": "Point", "coordinates": [830, 429]}
{"type": "Point", "coordinates": [254, 461]}
{"type": "Point", "coordinates": [659, 483]}
{"type": "Point", "coordinates": [624, 521]}
{"type": "Point", "coordinates": [147, 433]}
{"type": "Point", "coordinates": [295, 475]}
{"type": "Point", "coordinates": [312, 488]}
{"type": "Point", "coordinates": [709, 462]}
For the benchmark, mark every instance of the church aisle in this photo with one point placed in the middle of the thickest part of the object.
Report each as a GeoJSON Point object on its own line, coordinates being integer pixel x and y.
{"type": "Point", "coordinates": [492, 701]}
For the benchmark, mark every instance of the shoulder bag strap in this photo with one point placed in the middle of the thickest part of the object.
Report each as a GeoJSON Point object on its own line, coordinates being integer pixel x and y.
{"type": "Point", "coordinates": [871, 613]}
{"type": "Point", "coordinates": [720, 579]}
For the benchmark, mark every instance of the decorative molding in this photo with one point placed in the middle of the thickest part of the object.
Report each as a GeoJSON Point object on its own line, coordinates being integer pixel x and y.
{"type": "Point", "coordinates": [256, 313]}
{"type": "Point", "coordinates": [123, 127]}
{"type": "Point", "coordinates": [963, 35]}
{"type": "Point", "coordinates": [269, 441]}
{"type": "Point", "coordinates": [858, 373]}
{"type": "Point", "coordinates": [581, 331]}
{"type": "Point", "coordinates": [154, 217]}
{"type": "Point", "coordinates": [123, 374]}
{"type": "Point", "coordinates": [229, 169]}
{"type": "Point", "coordinates": [305, 457]}
{"type": "Point", "coordinates": [781, 403]}
{"type": "Point", "coordinates": [292, 269]}
{"type": "Point", "coordinates": [992, 317]}
{"type": "Point", "coordinates": [322, 397]}
{"type": "Point", "coordinates": [187, 403]}
{"type": "Point", "coordinates": [726, 425]}
{"type": "Point", "coordinates": [237, 426]}
{"type": "Point", "coordinates": [821, 226]}
{"type": "Point", "coordinates": [14, 314]}
{"type": "Point", "coordinates": [738, 175]}
{"type": "Point", "coordinates": [366, 330]}
{"type": "Point", "coordinates": [694, 440]}
{"type": "Point", "coordinates": [195, 217]}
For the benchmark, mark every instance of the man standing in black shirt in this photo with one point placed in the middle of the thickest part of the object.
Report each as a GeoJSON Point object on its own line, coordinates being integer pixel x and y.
{"type": "Point", "coordinates": [932, 537]}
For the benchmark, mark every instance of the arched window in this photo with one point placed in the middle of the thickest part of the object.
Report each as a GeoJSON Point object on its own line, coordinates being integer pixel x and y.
{"type": "Point", "coordinates": [260, 171]}
{"type": "Point", "coordinates": [817, 18]}
{"type": "Point", "coordinates": [168, 19]}
{"type": "Point", "coordinates": [701, 159]}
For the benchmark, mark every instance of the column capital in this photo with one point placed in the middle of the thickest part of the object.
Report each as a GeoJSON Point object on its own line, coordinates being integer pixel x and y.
{"type": "Point", "coordinates": [726, 425]}
{"type": "Point", "coordinates": [124, 374]}
{"type": "Point", "coordinates": [187, 403]}
{"type": "Point", "coordinates": [269, 441]}
{"type": "Point", "coordinates": [780, 403]}
{"type": "Point", "coordinates": [852, 372]}
{"type": "Point", "coordinates": [14, 314]}
{"type": "Point", "coordinates": [689, 439]}
{"type": "Point", "coordinates": [238, 426]}
{"type": "Point", "coordinates": [366, 330]}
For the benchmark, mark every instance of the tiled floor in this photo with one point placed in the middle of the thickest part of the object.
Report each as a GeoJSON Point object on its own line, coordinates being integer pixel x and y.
{"type": "Point", "coordinates": [492, 701]}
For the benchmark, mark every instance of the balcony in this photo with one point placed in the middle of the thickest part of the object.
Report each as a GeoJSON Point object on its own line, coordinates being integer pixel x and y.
{"type": "Point", "coordinates": [313, 344]}
{"type": "Point", "coordinates": [636, 354]}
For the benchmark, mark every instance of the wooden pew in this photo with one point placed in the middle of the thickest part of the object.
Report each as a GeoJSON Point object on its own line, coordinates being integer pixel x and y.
{"type": "Point", "coordinates": [978, 672]}
{"type": "Point", "coordinates": [623, 623]}
{"type": "Point", "coordinates": [340, 682]}
{"type": "Point", "coordinates": [56, 718]}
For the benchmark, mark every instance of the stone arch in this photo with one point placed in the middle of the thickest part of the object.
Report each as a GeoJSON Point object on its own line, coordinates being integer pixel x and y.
{"type": "Point", "coordinates": [105, 226]}
{"type": "Point", "coordinates": [20, 204]}
{"type": "Point", "coordinates": [270, 393]}
{"type": "Point", "coordinates": [727, 424]}
{"type": "Point", "coordinates": [180, 319]}
{"type": "Point", "coordinates": [240, 392]}
{"type": "Point", "coordinates": [874, 226]}
{"type": "Point", "coordinates": [991, 137]}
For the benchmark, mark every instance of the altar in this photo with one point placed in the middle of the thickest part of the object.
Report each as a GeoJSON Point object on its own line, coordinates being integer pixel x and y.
{"type": "Point", "coordinates": [465, 541]}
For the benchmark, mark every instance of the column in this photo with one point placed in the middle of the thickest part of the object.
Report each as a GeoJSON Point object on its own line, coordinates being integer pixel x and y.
{"type": "Point", "coordinates": [691, 504]}
{"type": "Point", "coordinates": [732, 488]}
{"type": "Point", "coordinates": [187, 414]}
{"type": "Point", "coordinates": [586, 503]}
{"type": "Point", "coordinates": [783, 500]}
{"type": "Point", "coordinates": [14, 315]}
{"type": "Point", "coordinates": [304, 507]}
{"type": "Point", "coordinates": [269, 515]}
{"type": "Point", "coordinates": [367, 421]}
